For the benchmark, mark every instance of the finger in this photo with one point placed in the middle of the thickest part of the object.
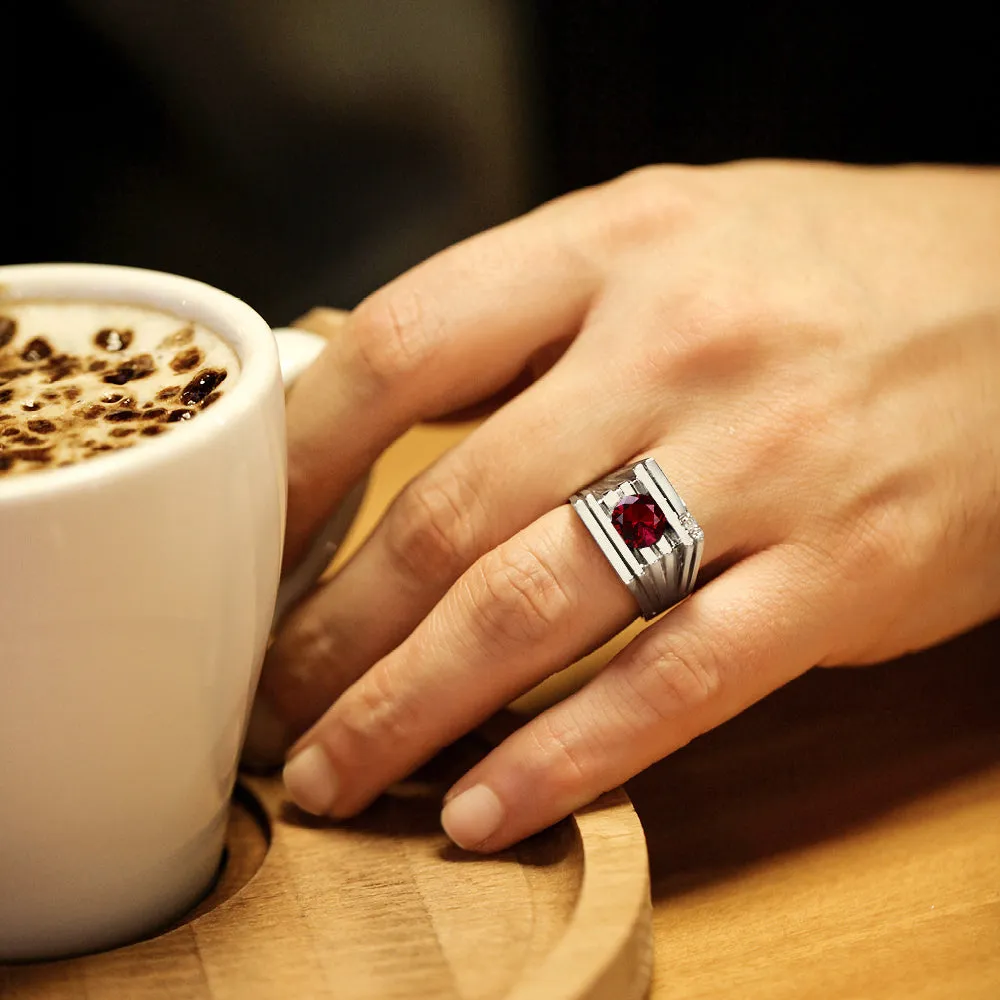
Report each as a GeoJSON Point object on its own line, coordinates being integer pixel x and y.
{"type": "Point", "coordinates": [527, 608]}
{"type": "Point", "coordinates": [740, 637]}
{"type": "Point", "coordinates": [524, 610]}
{"type": "Point", "coordinates": [452, 331]}
{"type": "Point", "coordinates": [325, 321]}
{"type": "Point", "coordinates": [478, 495]}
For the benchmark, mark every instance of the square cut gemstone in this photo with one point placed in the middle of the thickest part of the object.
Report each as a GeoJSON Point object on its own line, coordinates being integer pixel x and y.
{"type": "Point", "coordinates": [639, 522]}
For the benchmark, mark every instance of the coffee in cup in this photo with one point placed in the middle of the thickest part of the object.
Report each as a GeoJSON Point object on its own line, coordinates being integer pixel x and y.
{"type": "Point", "coordinates": [80, 379]}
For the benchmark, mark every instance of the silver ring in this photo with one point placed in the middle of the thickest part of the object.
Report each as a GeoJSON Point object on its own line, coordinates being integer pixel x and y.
{"type": "Point", "coordinates": [646, 532]}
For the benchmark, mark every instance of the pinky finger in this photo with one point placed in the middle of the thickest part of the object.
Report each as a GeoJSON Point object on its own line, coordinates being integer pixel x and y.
{"type": "Point", "coordinates": [731, 643]}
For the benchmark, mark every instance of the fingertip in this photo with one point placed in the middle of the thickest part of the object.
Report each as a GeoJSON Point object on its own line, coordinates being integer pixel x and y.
{"type": "Point", "coordinates": [473, 817]}
{"type": "Point", "coordinates": [311, 781]}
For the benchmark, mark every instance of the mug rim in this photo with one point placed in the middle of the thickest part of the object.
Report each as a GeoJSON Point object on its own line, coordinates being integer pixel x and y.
{"type": "Point", "coordinates": [227, 316]}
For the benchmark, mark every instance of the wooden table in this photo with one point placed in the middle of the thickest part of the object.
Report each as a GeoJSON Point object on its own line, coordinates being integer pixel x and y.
{"type": "Point", "coordinates": [839, 840]}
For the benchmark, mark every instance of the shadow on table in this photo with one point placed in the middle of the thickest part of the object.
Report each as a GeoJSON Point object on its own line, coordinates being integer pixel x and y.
{"type": "Point", "coordinates": [829, 752]}
{"type": "Point", "coordinates": [412, 809]}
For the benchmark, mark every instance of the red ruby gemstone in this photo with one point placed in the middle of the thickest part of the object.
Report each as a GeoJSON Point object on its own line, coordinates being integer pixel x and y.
{"type": "Point", "coordinates": [638, 521]}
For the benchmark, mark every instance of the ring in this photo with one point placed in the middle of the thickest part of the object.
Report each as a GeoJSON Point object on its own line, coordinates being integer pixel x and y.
{"type": "Point", "coordinates": [646, 532]}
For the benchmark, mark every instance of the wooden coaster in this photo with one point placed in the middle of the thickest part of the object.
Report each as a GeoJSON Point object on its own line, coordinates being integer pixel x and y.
{"type": "Point", "coordinates": [384, 907]}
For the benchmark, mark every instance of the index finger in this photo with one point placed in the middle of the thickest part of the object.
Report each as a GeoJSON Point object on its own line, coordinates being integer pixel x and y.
{"type": "Point", "coordinates": [453, 330]}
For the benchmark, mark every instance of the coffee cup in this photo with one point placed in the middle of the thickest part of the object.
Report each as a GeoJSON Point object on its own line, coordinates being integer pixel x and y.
{"type": "Point", "coordinates": [137, 592]}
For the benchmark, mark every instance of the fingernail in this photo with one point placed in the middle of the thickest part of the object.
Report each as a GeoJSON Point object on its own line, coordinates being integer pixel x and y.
{"type": "Point", "coordinates": [268, 737]}
{"type": "Point", "coordinates": [472, 817]}
{"type": "Point", "coordinates": [311, 780]}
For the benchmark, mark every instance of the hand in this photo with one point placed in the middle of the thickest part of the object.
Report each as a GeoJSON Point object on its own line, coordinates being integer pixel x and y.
{"type": "Point", "coordinates": [810, 352]}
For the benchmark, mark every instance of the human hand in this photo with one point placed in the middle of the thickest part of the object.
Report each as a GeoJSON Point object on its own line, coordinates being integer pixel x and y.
{"type": "Point", "coordinates": [810, 352]}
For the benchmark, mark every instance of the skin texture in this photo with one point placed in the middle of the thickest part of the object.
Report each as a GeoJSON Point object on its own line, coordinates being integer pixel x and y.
{"type": "Point", "coordinates": [812, 354]}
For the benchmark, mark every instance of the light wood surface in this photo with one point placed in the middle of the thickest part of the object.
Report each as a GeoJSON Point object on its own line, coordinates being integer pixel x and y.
{"type": "Point", "coordinates": [384, 908]}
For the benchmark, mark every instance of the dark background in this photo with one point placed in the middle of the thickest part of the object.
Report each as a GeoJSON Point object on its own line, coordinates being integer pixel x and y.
{"type": "Point", "coordinates": [157, 140]}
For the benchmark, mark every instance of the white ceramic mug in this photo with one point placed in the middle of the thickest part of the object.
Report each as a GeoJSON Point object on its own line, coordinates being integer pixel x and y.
{"type": "Point", "coordinates": [136, 597]}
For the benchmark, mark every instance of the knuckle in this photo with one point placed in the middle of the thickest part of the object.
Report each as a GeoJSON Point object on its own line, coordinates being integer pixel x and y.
{"type": "Point", "coordinates": [561, 748]}
{"type": "Point", "coordinates": [682, 675]}
{"type": "Point", "coordinates": [305, 648]}
{"type": "Point", "coordinates": [882, 532]}
{"type": "Point", "coordinates": [306, 669]}
{"type": "Point", "coordinates": [870, 540]}
{"type": "Point", "coordinates": [374, 713]}
{"type": "Point", "coordinates": [392, 336]}
{"type": "Point", "coordinates": [431, 533]}
{"type": "Point", "coordinates": [716, 334]}
{"type": "Point", "coordinates": [652, 185]}
{"type": "Point", "coordinates": [518, 596]}
{"type": "Point", "coordinates": [642, 204]}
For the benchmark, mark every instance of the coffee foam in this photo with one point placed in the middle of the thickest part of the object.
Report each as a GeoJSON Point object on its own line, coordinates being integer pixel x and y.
{"type": "Point", "coordinates": [83, 379]}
